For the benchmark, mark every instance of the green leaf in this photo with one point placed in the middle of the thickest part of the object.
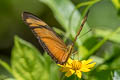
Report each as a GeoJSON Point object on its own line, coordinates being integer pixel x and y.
{"type": "Point", "coordinates": [116, 3]}
{"type": "Point", "coordinates": [98, 45]}
{"type": "Point", "coordinates": [103, 33]}
{"type": "Point", "coordinates": [81, 52]}
{"type": "Point", "coordinates": [111, 58]}
{"type": "Point", "coordinates": [58, 31]}
{"type": "Point", "coordinates": [27, 63]}
{"type": "Point", "coordinates": [5, 71]}
{"type": "Point", "coordinates": [115, 64]}
{"type": "Point", "coordinates": [62, 10]}
{"type": "Point", "coordinates": [6, 66]}
{"type": "Point", "coordinates": [52, 68]}
{"type": "Point", "coordinates": [98, 60]}
{"type": "Point", "coordinates": [54, 72]}
{"type": "Point", "coordinates": [100, 75]}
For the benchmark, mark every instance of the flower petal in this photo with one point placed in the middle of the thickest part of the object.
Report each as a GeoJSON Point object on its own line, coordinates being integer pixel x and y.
{"type": "Point", "coordinates": [69, 73]}
{"type": "Point", "coordinates": [86, 65]}
{"type": "Point", "coordinates": [85, 69]}
{"type": "Point", "coordinates": [69, 61]}
{"type": "Point", "coordinates": [68, 66]}
{"type": "Point", "coordinates": [91, 65]}
{"type": "Point", "coordinates": [87, 62]}
{"type": "Point", "coordinates": [78, 73]}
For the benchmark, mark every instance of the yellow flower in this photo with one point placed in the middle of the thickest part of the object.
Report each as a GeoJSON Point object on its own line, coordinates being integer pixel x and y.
{"type": "Point", "coordinates": [77, 67]}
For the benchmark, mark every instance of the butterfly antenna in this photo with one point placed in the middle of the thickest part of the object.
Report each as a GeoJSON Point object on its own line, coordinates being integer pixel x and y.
{"type": "Point", "coordinates": [81, 26]}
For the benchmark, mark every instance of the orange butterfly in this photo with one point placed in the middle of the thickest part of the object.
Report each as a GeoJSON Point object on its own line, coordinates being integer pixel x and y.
{"type": "Point", "coordinates": [48, 39]}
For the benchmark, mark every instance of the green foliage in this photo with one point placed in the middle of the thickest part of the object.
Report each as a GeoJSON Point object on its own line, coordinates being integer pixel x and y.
{"type": "Point", "coordinates": [117, 5]}
{"type": "Point", "coordinates": [27, 63]}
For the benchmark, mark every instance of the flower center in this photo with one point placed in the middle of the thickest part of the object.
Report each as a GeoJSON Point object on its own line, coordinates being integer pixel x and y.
{"type": "Point", "coordinates": [76, 65]}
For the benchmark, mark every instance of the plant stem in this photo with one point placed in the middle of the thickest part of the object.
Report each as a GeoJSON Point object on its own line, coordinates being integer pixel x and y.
{"type": "Point", "coordinates": [92, 51]}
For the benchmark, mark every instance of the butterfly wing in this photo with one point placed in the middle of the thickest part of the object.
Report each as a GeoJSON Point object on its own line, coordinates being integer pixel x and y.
{"type": "Point", "coordinates": [48, 39]}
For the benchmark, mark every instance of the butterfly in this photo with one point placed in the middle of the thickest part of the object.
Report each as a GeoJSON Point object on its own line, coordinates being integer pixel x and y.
{"type": "Point", "coordinates": [48, 38]}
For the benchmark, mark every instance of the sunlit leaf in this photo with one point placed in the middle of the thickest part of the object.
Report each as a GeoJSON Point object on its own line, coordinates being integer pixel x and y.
{"type": "Point", "coordinates": [116, 3]}
{"type": "Point", "coordinates": [6, 66]}
{"type": "Point", "coordinates": [27, 63]}
{"type": "Point", "coordinates": [5, 71]}
{"type": "Point", "coordinates": [52, 68]}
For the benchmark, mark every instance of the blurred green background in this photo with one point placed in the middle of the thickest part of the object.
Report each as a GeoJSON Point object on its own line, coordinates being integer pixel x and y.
{"type": "Point", "coordinates": [102, 15]}
{"type": "Point", "coordinates": [104, 18]}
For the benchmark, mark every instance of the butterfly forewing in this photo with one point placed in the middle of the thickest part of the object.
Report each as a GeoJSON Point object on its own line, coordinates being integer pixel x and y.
{"type": "Point", "coordinates": [47, 38]}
